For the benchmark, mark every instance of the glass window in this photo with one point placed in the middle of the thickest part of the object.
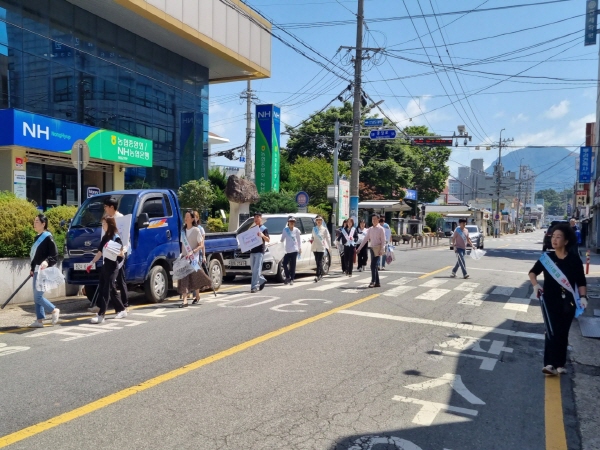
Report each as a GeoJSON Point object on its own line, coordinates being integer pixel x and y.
{"type": "Point", "coordinates": [154, 207]}
{"type": "Point", "coordinates": [168, 205]}
{"type": "Point", "coordinates": [307, 224]}
{"type": "Point", "coordinates": [91, 212]}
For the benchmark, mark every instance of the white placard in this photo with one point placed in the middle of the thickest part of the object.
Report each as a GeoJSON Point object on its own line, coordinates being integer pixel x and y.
{"type": "Point", "coordinates": [124, 227]}
{"type": "Point", "coordinates": [20, 190]}
{"type": "Point", "coordinates": [249, 239]}
{"type": "Point", "coordinates": [20, 177]}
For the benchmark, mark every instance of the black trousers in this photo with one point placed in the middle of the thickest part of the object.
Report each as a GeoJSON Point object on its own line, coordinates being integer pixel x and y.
{"type": "Point", "coordinates": [319, 261]}
{"type": "Point", "coordinates": [555, 347]}
{"type": "Point", "coordinates": [374, 264]}
{"type": "Point", "coordinates": [108, 287]}
{"type": "Point", "coordinates": [363, 256]}
{"type": "Point", "coordinates": [289, 265]}
{"type": "Point", "coordinates": [122, 287]}
{"type": "Point", "coordinates": [348, 258]}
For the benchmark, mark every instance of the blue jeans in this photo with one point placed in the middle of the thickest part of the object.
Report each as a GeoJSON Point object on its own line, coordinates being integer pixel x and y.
{"type": "Point", "coordinates": [460, 254]}
{"type": "Point", "coordinates": [256, 260]}
{"type": "Point", "coordinates": [41, 303]}
{"type": "Point", "coordinates": [374, 265]}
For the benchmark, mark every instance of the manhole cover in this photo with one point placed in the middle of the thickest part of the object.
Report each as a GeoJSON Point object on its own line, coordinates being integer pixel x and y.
{"type": "Point", "coordinates": [590, 327]}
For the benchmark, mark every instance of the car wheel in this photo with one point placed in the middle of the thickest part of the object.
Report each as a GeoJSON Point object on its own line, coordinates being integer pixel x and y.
{"type": "Point", "coordinates": [156, 285]}
{"type": "Point", "coordinates": [326, 264]}
{"type": "Point", "coordinates": [215, 273]}
{"type": "Point", "coordinates": [280, 277]}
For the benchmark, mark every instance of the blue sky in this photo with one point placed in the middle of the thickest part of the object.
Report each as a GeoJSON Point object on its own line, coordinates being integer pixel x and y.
{"type": "Point", "coordinates": [548, 102]}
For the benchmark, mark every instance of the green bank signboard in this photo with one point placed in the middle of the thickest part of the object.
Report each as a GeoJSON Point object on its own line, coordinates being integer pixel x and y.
{"type": "Point", "coordinates": [266, 154]}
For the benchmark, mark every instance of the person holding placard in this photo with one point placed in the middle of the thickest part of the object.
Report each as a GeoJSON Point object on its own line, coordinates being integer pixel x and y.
{"type": "Point", "coordinates": [293, 249]}
{"type": "Point", "coordinates": [563, 295]}
{"type": "Point", "coordinates": [43, 254]}
{"type": "Point", "coordinates": [110, 210]}
{"type": "Point", "coordinates": [257, 254]}
{"type": "Point", "coordinates": [192, 245]}
{"type": "Point", "coordinates": [112, 251]}
{"type": "Point", "coordinates": [319, 245]}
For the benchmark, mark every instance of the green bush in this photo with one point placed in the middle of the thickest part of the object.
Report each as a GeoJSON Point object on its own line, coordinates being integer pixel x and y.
{"type": "Point", "coordinates": [321, 211]}
{"type": "Point", "coordinates": [274, 203]}
{"type": "Point", "coordinates": [431, 220]}
{"type": "Point", "coordinates": [216, 225]}
{"type": "Point", "coordinates": [426, 230]}
{"type": "Point", "coordinates": [16, 226]}
{"type": "Point", "coordinates": [55, 216]}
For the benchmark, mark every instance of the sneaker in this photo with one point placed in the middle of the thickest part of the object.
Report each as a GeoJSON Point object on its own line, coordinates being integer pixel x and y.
{"type": "Point", "coordinates": [121, 315]}
{"type": "Point", "coordinates": [377, 285]}
{"type": "Point", "coordinates": [94, 309]}
{"type": "Point", "coordinates": [291, 282]}
{"type": "Point", "coordinates": [561, 369]}
{"type": "Point", "coordinates": [286, 281]}
{"type": "Point", "coordinates": [98, 319]}
{"type": "Point", "coordinates": [36, 324]}
{"type": "Point", "coordinates": [550, 370]}
{"type": "Point", "coordinates": [452, 275]}
{"type": "Point", "coordinates": [383, 268]}
{"type": "Point", "coordinates": [253, 291]}
{"type": "Point", "coordinates": [466, 276]}
{"type": "Point", "coordinates": [262, 286]}
{"type": "Point", "coordinates": [55, 316]}
{"type": "Point", "coordinates": [316, 279]}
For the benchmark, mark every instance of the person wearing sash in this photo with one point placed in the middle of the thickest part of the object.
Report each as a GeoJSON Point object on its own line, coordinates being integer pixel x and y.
{"type": "Point", "coordinates": [110, 210]}
{"type": "Point", "coordinates": [460, 240]}
{"type": "Point", "coordinates": [564, 282]}
{"type": "Point", "coordinates": [361, 232]}
{"type": "Point", "coordinates": [192, 245]}
{"type": "Point", "coordinates": [202, 250]}
{"type": "Point", "coordinates": [375, 237]}
{"type": "Point", "coordinates": [107, 286]}
{"type": "Point", "coordinates": [340, 246]}
{"type": "Point", "coordinates": [293, 249]}
{"type": "Point", "coordinates": [319, 245]}
{"type": "Point", "coordinates": [257, 254]}
{"type": "Point", "coordinates": [348, 237]}
{"type": "Point", "coordinates": [43, 254]}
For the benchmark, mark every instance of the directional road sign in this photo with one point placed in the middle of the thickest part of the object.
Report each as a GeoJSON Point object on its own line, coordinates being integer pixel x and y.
{"type": "Point", "coordinates": [383, 134]}
{"type": "Point", "coordinates": [373, 122]}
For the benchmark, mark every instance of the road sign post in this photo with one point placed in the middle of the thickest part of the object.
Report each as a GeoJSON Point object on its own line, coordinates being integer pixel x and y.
{"type": "Point", "coordinates": [80, 156]}
{"type": "Point", "coordinates": [382, 134]}
{"type": "Point", "coordinates": [373, 122]}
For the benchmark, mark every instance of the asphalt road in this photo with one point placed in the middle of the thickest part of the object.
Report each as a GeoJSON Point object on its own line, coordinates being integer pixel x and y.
{"type": "Point", "coordinates": [424, 362]}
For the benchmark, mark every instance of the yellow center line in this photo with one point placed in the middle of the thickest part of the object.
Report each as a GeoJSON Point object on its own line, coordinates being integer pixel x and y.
{"type": "Point", "coordinates": [153, 382]}
{"type": "Point", "coordinates": [556, 438]}
{"type": "Point", "coordinates": [435, 271]}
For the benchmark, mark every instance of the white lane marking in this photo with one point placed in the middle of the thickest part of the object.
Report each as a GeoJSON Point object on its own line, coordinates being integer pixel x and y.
{"type": "Point", "coordinates": [401, 281]}
{"type": "Point", "coordinates": [466, 286]}
{"type": "Point", "coordinates": [432, 294]}
{"type": "Point", "coordinates": [433, 283]}
{"type": "Point", "coordinates": [268, 299]}
{"type": "Point", "coordinates": [225, 297]}
{"type": "Point", "coordinates": [368, 279]}
{"type": "Point", "coordinates": [499, 271]}
{"type": "Point", "coordinates": [401, 271]}
{"type": "Point", "coordinates": [486, 363]}
{"type": "Point", "coordinates": [298, 303]}
{"type": "Point", "coordinates": [285, 286]}
{"type": "Point", "coordinates": [158, 312]}
{"type": "Point", "coordinates": [517, 304]}
{"type": "Point", "coordinates": [441, 323]}
{"type": "Point", "coordinates": [352, 291]}
{"type": "Point", "coordinates": [455, 382]}
{"type": "Point", "coordinates": [429, 410]}
{"type": "Point", "coordinates": [6, 350]}
{"type": "Point", "coordinates": [328, 286]}
{"type": "Point", "coordinates": [394, 292]}
{"type": "Point", "coordinates": [473, 299]}
{"type": "Point", "coordinates": [503, 290]}
{"type": "Point", "coordinates": [474, 344]}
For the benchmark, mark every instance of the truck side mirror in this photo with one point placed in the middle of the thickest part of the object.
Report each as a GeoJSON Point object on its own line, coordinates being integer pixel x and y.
{"type": "Point", "coordinates": [143, 220]}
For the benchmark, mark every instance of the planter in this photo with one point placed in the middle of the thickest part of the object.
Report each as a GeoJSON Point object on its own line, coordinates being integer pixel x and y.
{"type": "Point", "coordinates": [15, 270]}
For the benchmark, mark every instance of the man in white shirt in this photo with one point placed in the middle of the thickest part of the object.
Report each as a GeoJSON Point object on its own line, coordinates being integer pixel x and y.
{"type": "Point", "coordinates": [293, 249]}
{"type": "Point", "coordinates": [110, 210]}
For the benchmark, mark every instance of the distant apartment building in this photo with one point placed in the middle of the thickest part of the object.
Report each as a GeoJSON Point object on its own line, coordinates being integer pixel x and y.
{"type": "Point", "coordinates": [527, 185]}
{"type": "Point", "coordinates": [475, 183]}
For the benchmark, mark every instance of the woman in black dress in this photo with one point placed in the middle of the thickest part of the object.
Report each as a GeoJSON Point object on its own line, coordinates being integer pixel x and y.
{"type": "Point", "coordinates": [559, 300]}
{"type": "Point", "coordinates": [348, 237]}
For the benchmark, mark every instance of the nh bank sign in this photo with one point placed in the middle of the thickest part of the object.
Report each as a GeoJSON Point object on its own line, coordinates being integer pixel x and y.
{"type": "Point", "coordinates": [39, 132]}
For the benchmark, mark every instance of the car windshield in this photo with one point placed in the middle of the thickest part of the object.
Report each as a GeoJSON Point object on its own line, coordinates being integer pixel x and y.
{"type": "Point", "coordinates": [91, 212]}
{"type": "Point", "coordinates": [472, 228]}
{"type": "Point", "coordinates": [275, 225]}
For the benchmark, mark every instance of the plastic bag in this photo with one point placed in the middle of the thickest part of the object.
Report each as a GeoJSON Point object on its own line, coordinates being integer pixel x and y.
{"type": "Point", "coordinates": [277, 251]}
{"type": "Point", "coordinates": [477, 254]}
{"type": "Point", "coordinates": [389, 255]}
{"type": "Point", "coordinates": [182, 268]}
{"type": "Point", "coordinates": [49, 278]}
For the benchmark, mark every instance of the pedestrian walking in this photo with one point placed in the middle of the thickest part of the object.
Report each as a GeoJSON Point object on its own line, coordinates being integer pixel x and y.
{"type": "Point", "coordinates": [257, 254]}
{"type": "Point", "coordinates": [43, 254]}
{"type": "Point", "coordinates": [110, 210]}
{"type": "Point", "coordinates": [348, 237]}
{"type": "Point", "coordinates": [564, 282]}
{"type": "Point", "coordinates": [293, 249]}
{"type": "Point", "coordinates": [361, 232]}
{"type": "Point", "coordinates": [375, 237]}
{"type": "Point", "coordinates": [192, 245]}
{"type": "Point", "coordinates": [320, 244]}
{"type": "Point", "coordinates": [201, 254]}
{"type": "Point", "coordinates": [110, 269]}
{"type": "Point", "coordinates": [388, 240]}
{"type": "Point", "coordinates": [460, 239]}
{"type": "Point", "coordinates": [339, 245]}
{"type": "Point", "coordinates": [574, 248]}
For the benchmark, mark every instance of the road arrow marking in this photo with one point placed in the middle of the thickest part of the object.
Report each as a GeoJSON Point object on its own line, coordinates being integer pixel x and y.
{"type": "Point", "coordinates": [455, 381]}
{"type": "Point", "coordinates": [429, 410]}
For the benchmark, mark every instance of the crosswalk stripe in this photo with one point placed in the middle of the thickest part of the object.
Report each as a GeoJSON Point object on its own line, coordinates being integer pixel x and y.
{"type": "Point", "coordinates": [466, 286]}
{"type": "Point", "coordinates": [328, 286]}
{"type": "Point", "coordinates": [398, 291]}
{"type": "Point", "coordinates": [517, 304]}
{"type": "Point", "coordinates": [402, 281]}
{"type": "Point", "coordinates": [473, 299]}
{"type": "Point", "coordinates": [503, 290]}
{"type": "Point", "coordinates": [432, 294]}
{"type": "Point", "coordinates": [368, 279]}
{"type": "Point", "coordinates": [433, 283]}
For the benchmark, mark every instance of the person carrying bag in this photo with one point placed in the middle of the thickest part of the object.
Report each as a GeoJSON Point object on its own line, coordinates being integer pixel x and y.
{"type": "Point", "coordinates": [319, 245]}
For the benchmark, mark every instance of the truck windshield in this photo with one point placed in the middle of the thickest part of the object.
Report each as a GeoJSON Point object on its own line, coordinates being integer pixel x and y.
{"type": "Point", "coordinates": [275, 225]}
{"type": "Point", "coordinates": [91, 212]}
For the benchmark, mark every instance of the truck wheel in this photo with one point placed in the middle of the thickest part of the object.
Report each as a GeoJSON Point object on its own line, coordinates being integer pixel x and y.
{"type": "Point", "coordinates": [326, 264]}
{"type": "Point", "coordinates": [215, 273]}
{"type": "Point", "coordinates": [156, 284]}
{"type": "Point", "coordinates": [90, 290]}
{"type": "Point", "coordinates": [228, 278]}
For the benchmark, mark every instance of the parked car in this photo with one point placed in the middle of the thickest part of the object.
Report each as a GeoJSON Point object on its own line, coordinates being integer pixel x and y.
{"type": "Point", "coordinates": [476, 236]}
{"type": "Point", "coordinates": [156, 223]}
{"type": "Point", "coordinates": [547, 244]}
{"type": "Point", "coordinates": [275, 223]}
{"type": "Point", "coordinates": [529, 228]}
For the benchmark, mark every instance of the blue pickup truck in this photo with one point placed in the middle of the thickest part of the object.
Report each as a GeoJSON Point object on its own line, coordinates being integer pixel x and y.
{"type": "Point", "coordinates": [156, 222]}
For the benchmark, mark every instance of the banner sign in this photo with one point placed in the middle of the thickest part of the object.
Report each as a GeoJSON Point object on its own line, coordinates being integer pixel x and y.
{"type": "Point", "coordinates": [266, 157]}
{"type": "Point", "coordinates": [45, 133]}
{"type": "Point", "coordinates": [249, 239]}
{"type": "Point", "coordinates": [591, 22]}
{"type": "Point", "coordinates": [191, 147]}
{"type": "Point", "coordinates": [344, 201]}
{"type": "Point", "coordinates": [585, 164]}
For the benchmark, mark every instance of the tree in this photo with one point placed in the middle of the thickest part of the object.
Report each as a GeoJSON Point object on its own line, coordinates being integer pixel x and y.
{"type": "Point", "coordinates": [218, 180]}
{"type": "Point", "coordinates": [274, 203]}
{"type": "Point", "coordinates": [389, 175]}
{"type": "Point", "coordinates": [312, 175]}
{"type": "Point", "coordinates": [196, 194]}
{"type": "Point", "coordinates": [555, 203]}
{"type": "Point", "coordinates": [431, 220]}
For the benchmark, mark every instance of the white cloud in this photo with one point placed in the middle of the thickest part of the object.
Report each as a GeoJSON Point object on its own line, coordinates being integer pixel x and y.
{"type": "Point", "coordinates": [499, 114]}
{"type": "Point", "coordinates": [520, 118]}
{"type": "Point", "coordinates": [558, 111]}
{"type": "Point", "coordinates": [571, 135]}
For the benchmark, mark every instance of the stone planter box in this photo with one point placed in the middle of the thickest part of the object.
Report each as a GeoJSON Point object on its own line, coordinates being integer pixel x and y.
{"type": "Point", "coordinates": [14, 271]}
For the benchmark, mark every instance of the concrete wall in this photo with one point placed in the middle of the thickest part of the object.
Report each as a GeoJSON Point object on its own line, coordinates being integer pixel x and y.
{"type": "Point", "coordinates": [14, 271]}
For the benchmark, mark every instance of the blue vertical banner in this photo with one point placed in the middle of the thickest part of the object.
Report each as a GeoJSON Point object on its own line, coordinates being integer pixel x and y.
{"type": "Point", "coordinates": [591, 22]}
{"type": "Point", "coordinates": [585, 164]}
{"type": "Point", "coordinates": [266, 153]}
{"type": "Point", "coordinates": [354, 208]}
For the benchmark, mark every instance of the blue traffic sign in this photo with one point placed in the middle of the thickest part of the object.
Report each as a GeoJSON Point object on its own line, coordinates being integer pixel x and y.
{"type": "Point", "coordinates": [242, 159]}
{"type": "Point", "coordinates": [373, 122]}
{"type": "Point", "coordinates": [302, 199]}
{"type": "Point", "coordinates": [382, 134]}
{"type": "Point", "coordinates": [411, 194]}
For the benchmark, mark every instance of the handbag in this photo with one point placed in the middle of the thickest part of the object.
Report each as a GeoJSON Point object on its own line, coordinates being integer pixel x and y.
{"type": "Point", "coordinates": [182, 268]}
{"type": "Point", "coordinates": [49, 278]}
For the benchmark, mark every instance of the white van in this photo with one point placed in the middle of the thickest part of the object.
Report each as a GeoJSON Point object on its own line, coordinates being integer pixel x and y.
{"type": "Point", "coordinates": [275, 223]}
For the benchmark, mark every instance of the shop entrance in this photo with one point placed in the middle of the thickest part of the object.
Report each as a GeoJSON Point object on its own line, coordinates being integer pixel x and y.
{"type": "Point", "coordinates": [51, 186]}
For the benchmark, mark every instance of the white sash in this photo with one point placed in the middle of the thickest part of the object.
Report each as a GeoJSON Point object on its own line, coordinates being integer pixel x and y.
{"type": "Point", "coordinates": [289, 232]}
{"type": "Point", "coordinates": [37, 243]}
{"type": "Point", "coordinates": [462, 235]}
{"type": "Point", "coordinates": [317, 234]}
{"type": "Point", "coordinates": [348, 237]}
{"type": "Point", "coordinates": [557, 274]}
{"type": "Point", "coordinates": [188, 249]}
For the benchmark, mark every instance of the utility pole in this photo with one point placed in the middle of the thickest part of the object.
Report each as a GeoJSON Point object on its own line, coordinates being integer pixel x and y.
{"type": "Point", "coordinates": [498, 217]}
{"type": "Point", "coordinates": [355, 167]}
{"type": "Point", "coordinates": [248, 96]}
{"type": "Point", "coordinates": [336, 147]}
{"type": "Point", "coordinates": [519, 199]}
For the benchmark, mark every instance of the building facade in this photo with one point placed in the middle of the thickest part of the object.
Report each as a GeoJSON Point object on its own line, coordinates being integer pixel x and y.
{"type": "Point", "coordinates": [137, 70]}
{"type": "Point", "coordinates": [475, 183]}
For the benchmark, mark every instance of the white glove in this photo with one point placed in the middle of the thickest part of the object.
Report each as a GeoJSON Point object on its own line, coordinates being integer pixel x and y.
{"type": "Point", "coordinates": [536, 291]}
{"type": "Point", "coordinates": [583, 301]}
